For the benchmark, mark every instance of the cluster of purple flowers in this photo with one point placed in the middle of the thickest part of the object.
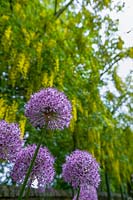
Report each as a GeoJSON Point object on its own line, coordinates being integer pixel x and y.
{"type": "Point", "coordinates": [43, 169]}
{"type": "Point", "coordinates": [49, 108]}
{"type": "Point", "coordinates": [81, 168]}
{"type": "Point", "coordinates": [87, 192]}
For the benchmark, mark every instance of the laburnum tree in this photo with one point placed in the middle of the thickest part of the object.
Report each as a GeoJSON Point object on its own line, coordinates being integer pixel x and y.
{"type": "Point", "coordinates": [73, 46]}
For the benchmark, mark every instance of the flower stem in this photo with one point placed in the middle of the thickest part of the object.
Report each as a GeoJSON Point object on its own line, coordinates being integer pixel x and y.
{"type": "Point", "coordinates": [27, 193]}
{"type": "Point", "coordinates": [28, 172]}
{"type": "Point", "coordinates": [78, 193]}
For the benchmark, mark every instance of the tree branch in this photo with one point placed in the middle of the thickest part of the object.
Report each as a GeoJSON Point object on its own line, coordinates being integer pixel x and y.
{"type": "Point", "coordinates": [55, 8]}
{"type": "Point", "coordinates": [110, 66]}
{"type": "Point", "coordinates": [11, 6]}
{"type": "Point", "coordinates": [63, 9]}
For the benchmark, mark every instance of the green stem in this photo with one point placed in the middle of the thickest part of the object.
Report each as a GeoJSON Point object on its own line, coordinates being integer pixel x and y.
{"type": "Point", "coordinates": [78, 193]}
{"type": "Point", "coordinates": [108, 186]}
{"type": "Point", "coordinates": [27, 193]}
{"type": "Point", "coordinates": [28, 172]}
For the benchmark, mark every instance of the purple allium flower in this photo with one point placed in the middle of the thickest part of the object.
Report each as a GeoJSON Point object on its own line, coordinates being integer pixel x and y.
{"type": "Point", "coordinates": [87, 192]}
{"type": "Point", "coordinates": [10, 142]}
{"type": "Point", "coordinates": [49, 107]}
{"type": "Point", "coordinates": [81, 168]}
{"type": "Point", "coordinates": [43, 170]}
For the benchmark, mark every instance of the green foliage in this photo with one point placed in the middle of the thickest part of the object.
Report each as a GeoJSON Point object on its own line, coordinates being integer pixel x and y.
{"type": "Point", "coordinates": [55, 44]}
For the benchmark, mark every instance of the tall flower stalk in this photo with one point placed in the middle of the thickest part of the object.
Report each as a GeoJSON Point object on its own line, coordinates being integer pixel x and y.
{"type": "Point", "coordinates": [28, 173]}
{"type": "Point", "coordinates": [49, 109]}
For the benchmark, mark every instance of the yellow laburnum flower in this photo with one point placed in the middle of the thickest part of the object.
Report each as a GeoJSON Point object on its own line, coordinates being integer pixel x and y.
{"type": "Point", "coordinates": [72, 124]}
{"type": "Point", "coordinates": [51, 79]}
{"type": "Point", "coordinates": [17, 7]}
{"type": "Point", "coordinates": [5, 17]}
{"type": "Point", "coordinates": [74, 109]}
{"type": "Point", "coordinates": [27, 36]}
{"type": "Point", "coordinates": [3, 108]}
{"type": "Point", "coordinates": [45, 79]}
{"type": "Point", "coordinates": [8, 33]}
{"type": "Point", "coordinates": [21, 61]}
{"type": "Point", "coordinates": [56, 65]}
{"type": "Point", "coordinates": [42, 14]}
{"type": "Point", "coordinates": [25, 68]}
{"type": "Point", "coordinates": [11, 112]}
{"type": "Point", "coordinates": [51, 43]}
{"type": "Point", "coordinates": [32, 35]}
{"type": "Point", "coordinates": [39, 48]}
{"type": "Point", "coordinates": [23, 65]}
{"type": "Point", "coordinates": [22, 124]}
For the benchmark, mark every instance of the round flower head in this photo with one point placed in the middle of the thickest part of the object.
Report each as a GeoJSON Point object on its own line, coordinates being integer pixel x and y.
{"type": "Point", "coordinates": [42, 171]}
{"type": "Point", "coordinates": [10, 142]}
{"type": "Point", "coordinates": [87, 192]}
{"type": "Point", "coordinates": [81, 168]}
{"type": "Point", "coordinates": [49, 107]}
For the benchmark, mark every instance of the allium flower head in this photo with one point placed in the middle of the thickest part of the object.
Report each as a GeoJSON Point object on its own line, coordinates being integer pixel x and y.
{"type": "Point", "coordinates": [43, 170]}
{"type": "Point", "coordinates": [10, 142]}
{"type": "Point", "coordinates": [81, 168]}
{"type": "Point", "coordinates": [49, 107]}
{"type": "Point", "coordinates": [87, 192]}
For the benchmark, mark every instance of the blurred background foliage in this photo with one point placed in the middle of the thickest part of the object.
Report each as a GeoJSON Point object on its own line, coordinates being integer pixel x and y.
{"type": "Point", "coordinates": [73, 46]}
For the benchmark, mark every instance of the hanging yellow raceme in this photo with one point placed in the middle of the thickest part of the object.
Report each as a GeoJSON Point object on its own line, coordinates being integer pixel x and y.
{"type": "Point", "coordinates": [21, 61]}
{"type": "Point", "coordinates": [45, 79]}
{"type": "Point", "coordinates": [39, 46]}
{"type": "Point", "coordinates": [6, 38]}
{"type": "Point", "coordinates": [56, 65]}
{"type": "Point", "coordinates": [17, 7]}
{"type": "Point", "coordinates": [74, 114]}
{"type": "Point", "coordinates": [11, 112]}
{"type": "Point", "coordinates": [26, 68]}
{"type": "Point", "coordinates": [8, 32]}
{"type": "Point", "coordinates": [51, 79]}
{"type": "Point", "coordinates": [5, 17]}
{"type": "Point", "coordinates": [3, 108]}
{"type": "Point", "coordinates": [74, 109]}
{"type": "Point", "coordinates": [22, 123]}
{"type": "Point", "coordinates": [23, 65]}
{"type": "Point", "coordinates": [27, 36]}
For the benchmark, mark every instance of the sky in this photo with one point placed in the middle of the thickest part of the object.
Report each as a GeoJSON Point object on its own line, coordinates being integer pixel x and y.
{"type": "Point", "coordinates": [126, 32]}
